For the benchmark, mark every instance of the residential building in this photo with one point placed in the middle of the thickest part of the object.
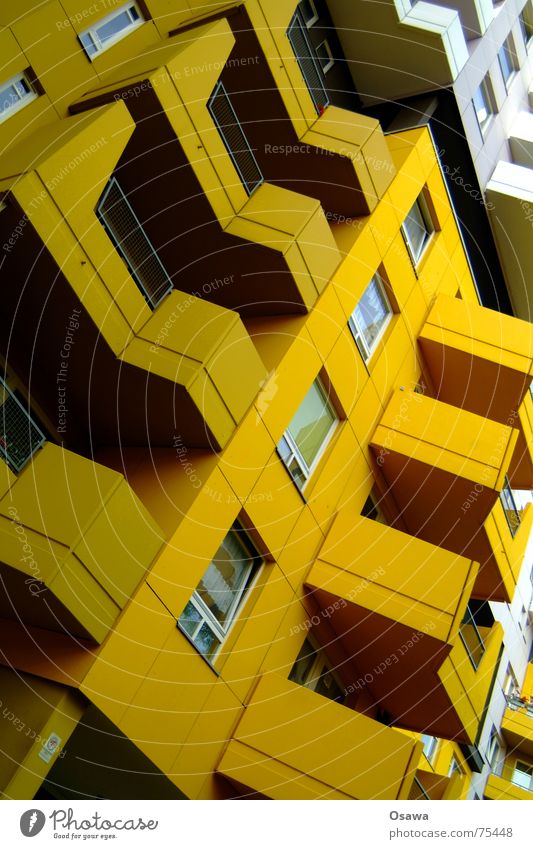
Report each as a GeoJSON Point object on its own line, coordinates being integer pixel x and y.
{"type": "Point", "coordinates": [258, 433]}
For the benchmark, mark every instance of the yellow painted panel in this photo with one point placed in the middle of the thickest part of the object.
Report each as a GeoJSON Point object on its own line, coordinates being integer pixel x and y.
{"type": "Point", "coordinates": [274, 506]}
{"type": "Point", "coordinates": [301, 548]}
{"type": "Point", "coordinates": [54, 53]}
{"type": "Point", "coordinates": [168, 14]}
{"type": "Point", "coordinates": [247, 453]}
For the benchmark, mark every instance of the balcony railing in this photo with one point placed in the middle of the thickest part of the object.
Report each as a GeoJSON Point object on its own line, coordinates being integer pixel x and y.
{"type": "Point", "coordinates": [20, 437]}
{"type": "Point", "coordinates": [127, 234]}
{"type": "Point", "coordinates": [472, 639]}
{"type": "Point", "coordinates": [308, 62]}
{"type": "Point", "coordinates": [523, 704]}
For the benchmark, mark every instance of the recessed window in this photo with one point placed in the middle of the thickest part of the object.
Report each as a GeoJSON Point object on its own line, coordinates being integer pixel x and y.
{"type": "Point", "coordinates": [417, 229]}
{"type": "Point", "coordinates": [454, 767]}
{"type": "Point", "coordinates": [308, 434]}
{"type": "Point", "coordinates": [483, 101]}
{"type": "Point", "coordinates": [526, 23]}
{"type": "Point", "coordinates": [308, 61]}
{"type": "Point", "coordinates": [313, 670]}
{"type": "Point", "coordinates": [308, 12]}
{"type": "Point", "coordinates": [494, 749]}
{"type": "Point", "coordinates": [215, 603]}
{"type": "Point", "coordinates": [325, 57]}
{"type": "Point", "coordinates": [370, 317]}
{"type": "Point", "coordinates": [372, 509]}
{"type": "Point", "coordinates": [128, 236]}
{"type": "Point", "coordinates": [430, 746]}
{"type": "Point", "coordinates": [15, 94]}
{"type": "Point", "coordinates": [107, 31]}
{"type": "Point", "coordinates": [523, 775]}
{"type": "Point", "coordinates": [510, 684]}
{"type": "Point", "coordinates": [508, 61]}
{"type": "Point", "coordinates": [20, 436]}
{"type": "Point", "coordinates": [510, 507]}
{"type": "Point", "coordinates": [233, 136]}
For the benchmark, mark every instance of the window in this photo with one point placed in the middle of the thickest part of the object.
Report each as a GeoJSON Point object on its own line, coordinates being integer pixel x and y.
{"type": "Point", "coordinates": [454, 767]}
{"type": "Point", "coordinates": [507, 60]}
{"type": "Point", "coordinates": [127, 234]}
{"type": "Point", "coordinates": [494, 749]}
{"type": "Point", "coordinates": [523, 775]}
{"type": "Point", "coordinates": [510, 684]}
{"type": "Point", "coordinates": [510, 507]}
{"type": "Point", "coordinates": [430, 746]}
{"type": "Point", "coordinates": [370, 317]}
{"type": "Point", "coordinates": [325, 57]}
{"type": "Point", "coordinates": [233, 136]}
{"type": "Point", "coordinates": [107, 31]}
{"type": "Point", "coordinates": [309, 432]}
{"type": "Point", "coordinates": [417, 229]}
{"type": "Point", "coordinates": [483, 101]}
{"type": "Point", "coordinates": [313, 670]}
{"type": "Point", "coordinates": [372, 509]}
{"type": "Point", "coordinates": [309, 12]}
{"type": "Point", "coordinates": [20, 437]}
{"type": "Point", "coordinates": [216, 600]}
{"type": "Point", "coordinates": [471, 636]}
{"type": "Point", "coordinates": [15, 94]}
{"type": "Point", "coordinates": [526, 23]}
{"type": "Point", "coordinates": [308, 61]}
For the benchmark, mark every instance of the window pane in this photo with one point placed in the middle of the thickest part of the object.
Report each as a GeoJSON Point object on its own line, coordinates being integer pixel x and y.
{"type": "Point", "coordinates": [225, 578]}
{"type": "Point", "coordinates": [206, 642]}
{"type": "Point", "coordinates": [189, 619]}
{"type": "Point", "coordinates": [523, 775]}
{"type": "Point", "coordinates": [114, 26]}
{"type": "Point", "coordinates": [301, 670]}
{"type": "Point", "coordinates": [8, 96]}
{"type": "Point", "coordinates": [415, 229]}
{"type": "Point", "coordinates": [372, 313]}
{"type": "Point", "coordinates": [311, 424]}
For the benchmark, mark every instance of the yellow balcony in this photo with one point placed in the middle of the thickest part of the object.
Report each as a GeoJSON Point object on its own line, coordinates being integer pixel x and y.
{"type": "Point", "coordinates": [433, 786]}
{"type": "Point", "coordinates": [499, 788]}
{"type": "Point", "coordinates": [444, 467]}
{"type": "Point", "coordinates": [521, 469]}
{"type": "Point", "coordinates": [517, 727]}
{"type": "Point", "coordinates": [396, 605]}
{"type": "Point", "coordinates": [481, 360]}
{"type": "Point", "coordinates": [75, 543]}
{"type": "Point", "coordinates": [188, 355]}
{"type": "Point", "coordinates": [277, 232]}
{"type": "Point", "coordinates": [291, 743]}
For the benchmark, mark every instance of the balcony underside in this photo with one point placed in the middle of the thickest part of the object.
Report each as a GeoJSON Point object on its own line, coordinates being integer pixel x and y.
{"type": "Point", "coordinates": [305, 756]}
{"type": "Point", "coordinates": [75, 543]}
{"type": "Point", "coordinates": [444, 468]}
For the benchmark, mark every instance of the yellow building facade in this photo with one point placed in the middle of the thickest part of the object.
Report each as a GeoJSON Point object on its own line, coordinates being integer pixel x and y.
{"type": "Point", "coordinates": [257, 430]}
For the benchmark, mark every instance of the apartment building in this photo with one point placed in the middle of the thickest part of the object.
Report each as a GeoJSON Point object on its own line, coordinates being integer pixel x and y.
{"type": "Point", "coordinates": [259, 436]}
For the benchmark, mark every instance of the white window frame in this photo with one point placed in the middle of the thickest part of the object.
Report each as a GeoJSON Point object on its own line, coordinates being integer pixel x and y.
{"type": "Point", "coordinates": [314, 17]}
{"type": "Point", "coordinates": [516, 769]}
{"type": "Point", "coordinates": [429, 225]}
{"type": "Point", "coordinates": [294, 452]}
{"type": "Point", "coordinates": [509, 48]}
{"type": "Point", "coordinates": [431, 745]}
{"type": "Point", "coordinates": [358, 332]}
{"type": "Point", "coordinates": [92, 31]}
{"type": "Point", "coordinates": [328, 64]}
{"type": "Point", "coordinates": [510, 684]}
{"type": "Point", "coordinates": [206, 615]}
{"type": "Point", "coordinates": [485, 88]}
{"type": "Point", "coordinates": [18, 82]}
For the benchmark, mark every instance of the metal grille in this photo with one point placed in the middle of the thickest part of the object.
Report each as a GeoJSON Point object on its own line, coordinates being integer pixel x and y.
{"type": "Point", "coordinates": [19, 435]}
{"type": "Point", "coordinates": [129, 238]}
{"type": "Point", "coordinates": [233, 136]}
{"type": "Point", "coordinates": [307, 61]}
